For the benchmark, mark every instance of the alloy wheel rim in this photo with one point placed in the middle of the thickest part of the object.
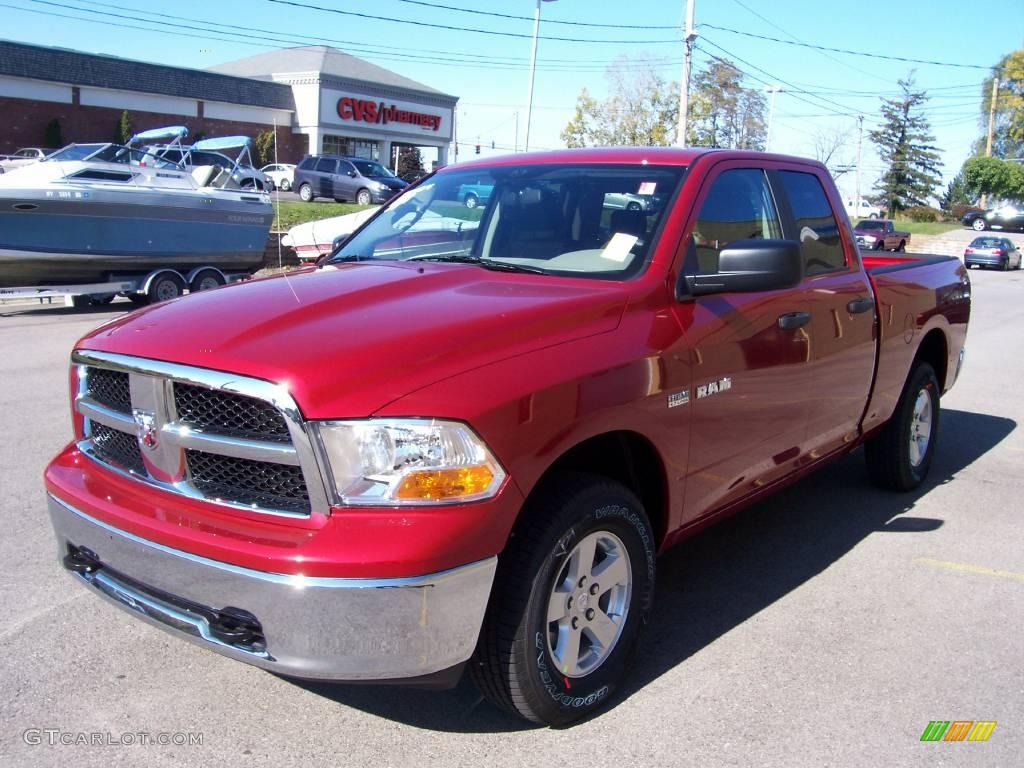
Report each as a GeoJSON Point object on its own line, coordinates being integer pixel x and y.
{"type": "Point", "coordinates": [920, 428]}
{"type": "Point", "coordinates": [589, 604]}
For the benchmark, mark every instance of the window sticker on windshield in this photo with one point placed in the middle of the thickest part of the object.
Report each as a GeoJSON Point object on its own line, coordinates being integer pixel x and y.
{"type": "Point", "coordinates": [618, 247]}
{"type": "Point", "coordinates": [647, 187]}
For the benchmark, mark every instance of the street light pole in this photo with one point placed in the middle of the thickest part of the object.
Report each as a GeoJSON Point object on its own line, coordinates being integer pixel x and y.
{"type": "Point", "coordinates": [533, 71]}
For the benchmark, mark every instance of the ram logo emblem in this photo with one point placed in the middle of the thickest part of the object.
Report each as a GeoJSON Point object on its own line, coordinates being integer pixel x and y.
{"type": "Point", "coordinates": [714, 387]}
{"type": "Point", "coordinates": [145, 429]}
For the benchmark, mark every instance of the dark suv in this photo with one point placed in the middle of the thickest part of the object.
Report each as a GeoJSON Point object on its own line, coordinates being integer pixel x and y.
{"type": "Point", "coordinates": [346, 178]}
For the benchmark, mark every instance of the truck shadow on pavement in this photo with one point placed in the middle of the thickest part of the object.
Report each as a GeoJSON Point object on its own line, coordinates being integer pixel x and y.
{"type": "Point", "coordinates": [723, 576]}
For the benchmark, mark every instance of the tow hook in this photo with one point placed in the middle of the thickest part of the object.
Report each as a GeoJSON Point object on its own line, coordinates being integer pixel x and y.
{"type": "Point", "coordinates": [81, 560]}
{"type": "Point", "coordinates": [236, 627]}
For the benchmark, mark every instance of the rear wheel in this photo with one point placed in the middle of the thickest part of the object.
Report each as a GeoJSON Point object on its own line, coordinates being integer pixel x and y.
{"type": "Point", "coordinates": [900, 455]}
{"type": "Point", "coordinates": [285, 185]}
{"type": "Point", "coordinates": [165, 286]}
{"type": "Point", "coordinates": [471, 200]}
{"type": "Point", "coordinates": [979, 225]}
{"type": "Point", "coordinates": [902, 247]}
{"type": "Point", "coordinates": [573, 589]}
{"type": "Point", "coordinates": [138, 299]}
{"type": "Point", "coordinates": [206, 279]}
{"type": "Point", "coordinates": [306, 193]}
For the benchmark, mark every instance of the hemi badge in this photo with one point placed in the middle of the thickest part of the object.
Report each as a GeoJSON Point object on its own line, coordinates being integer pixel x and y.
{"type": "Point", "coordinates": [679, 398]}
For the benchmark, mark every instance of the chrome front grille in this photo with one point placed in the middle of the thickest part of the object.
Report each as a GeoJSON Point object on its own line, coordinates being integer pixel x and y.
{"type": "Point", "coordinates": [109, 388]}
{"type": "Point", "coordinates": [277, 486]}
{"type": "Point", "coordinates": [117, 448]}
{"type": "Point", "coordinates": [214, 436]}
{"type": "Point", "coordinates": [226, 413]}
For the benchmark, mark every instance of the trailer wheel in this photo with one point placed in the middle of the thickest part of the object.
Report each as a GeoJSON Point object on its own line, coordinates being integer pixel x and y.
{"type": "Point", "coordinates": [899, 456]}
{"type": "Point", "coordinates": [206, 279]}
{"type": "Point", "coordinates": [165, 286]}
{"type": "Point", "coordinates": [573, 590]}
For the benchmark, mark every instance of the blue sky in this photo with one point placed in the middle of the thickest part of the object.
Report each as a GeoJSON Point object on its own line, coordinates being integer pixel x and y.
{"type": "Point", "coordinates": [823, 92]}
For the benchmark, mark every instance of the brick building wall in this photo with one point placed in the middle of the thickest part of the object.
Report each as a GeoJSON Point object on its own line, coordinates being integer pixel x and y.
{"type": "Point", "coordinates": [24, 122]}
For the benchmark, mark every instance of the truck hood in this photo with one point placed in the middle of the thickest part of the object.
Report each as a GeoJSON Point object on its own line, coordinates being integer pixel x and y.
{"type": "Point", "coordinates": [348, 339]}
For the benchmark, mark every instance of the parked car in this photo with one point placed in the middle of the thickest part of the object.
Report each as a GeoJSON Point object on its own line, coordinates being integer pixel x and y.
{"type": "Point", "coordinates": [989, 251]}
{"type": "Point", "coordinates": [280, 175]}
{"type": "Point", "coordinates": [244, 175]}
{"type": "Point", "coordinates": [313, 239]}
{"type": "Point", "coordinates": [1006, 217]}
{"type": "Point", "coordinates": [475, 193]}
{"type": "Point", "coordinates": [22, 157]}
{"type": "Point", "coordinates": [629, 201]}
{"type": "Point", "coordinates": [879, 235]}
{"type": "Point", "coordinates": [863, 211]}
{"type": "Point", "coordinates": [341, 178]}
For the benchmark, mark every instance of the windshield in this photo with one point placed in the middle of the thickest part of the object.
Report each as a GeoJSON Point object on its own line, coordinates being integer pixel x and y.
{"type": "Point", "coordinates": [372, 169]}
{"type": "Point", "coordinates": [870, 225]}
{"type": "Point", "coordinates": [77, 151]}
{"type": "Point", "coordinates": [596, 221]}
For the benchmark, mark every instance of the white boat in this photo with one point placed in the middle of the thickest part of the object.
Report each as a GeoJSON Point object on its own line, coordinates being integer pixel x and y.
{"type": "Point", "coordinates": [92, 212]}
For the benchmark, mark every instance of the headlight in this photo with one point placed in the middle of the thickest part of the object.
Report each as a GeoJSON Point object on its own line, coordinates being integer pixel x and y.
{"type": "Point", "coordinates": [390, 462]}
{"type": "Point", "coordinates": [382, 187]}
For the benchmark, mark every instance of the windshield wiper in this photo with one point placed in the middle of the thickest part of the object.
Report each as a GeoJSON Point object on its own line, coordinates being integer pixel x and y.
{"type": "Point", "coordinates": [496, 266]}
{"type": "Point", "coordinates": [347, 257]}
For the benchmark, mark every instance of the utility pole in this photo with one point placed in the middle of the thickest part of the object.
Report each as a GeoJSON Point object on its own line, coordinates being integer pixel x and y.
{"type": "Point", "coordinates": [772, 89]}
{"type": "Point", "coordinates": [860, 144]}
{"type": "Point", "coordinates": [991, 123]}
{"type": "Point", "coordinates": [684, 82]}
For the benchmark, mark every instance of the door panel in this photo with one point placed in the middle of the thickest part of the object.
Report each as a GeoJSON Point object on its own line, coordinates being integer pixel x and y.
{"type": "Point", "coordinates": [748, 407]}
{"type": "Point", "coordinates": [842, 328]}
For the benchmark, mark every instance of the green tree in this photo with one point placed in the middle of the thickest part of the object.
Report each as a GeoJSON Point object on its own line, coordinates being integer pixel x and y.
{"type": "Point", "coordinates": [263, 148]}
{"type": "Point", "coordinates": [1008, 123]}
{"type": "Point", "coordinates": [124, 128]}
{"type": "Point", "coordinates": [957, 193]}
{"type": "Point", "coordinates": [723, 112]}
{"type": "Point", "coordinates": [1001, 179]}
{"type": "Point", "coordinates": [905, 144]}
{"type": "Point", "coordinates": [410, 160]}
{"type": "Point", "coordinates": [52, 137]}
{"type": "Point", "coordinates": [641, 109]}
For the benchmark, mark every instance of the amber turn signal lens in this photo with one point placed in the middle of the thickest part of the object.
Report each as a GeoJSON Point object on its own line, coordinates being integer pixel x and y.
{"type": "Point", "coordinates": [446, 483]}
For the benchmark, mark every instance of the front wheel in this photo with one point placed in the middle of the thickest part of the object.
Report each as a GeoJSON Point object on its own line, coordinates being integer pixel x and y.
{"type": "Point", "coordinates": [900, 455]}
{"type": "Point", "coordinates": [902, 247]}
{"type": "Point", "coordinates": [165, 286]}
{"type": "Point", "coordinates": [979, 225]}
{"type": "Point", "coordinates": [363, 197]}
{"type": "Point", "coordinates": [879, 245]}
{"type": "Point", "coordinates": [573, 590]}
{"type": "Point", "coordinates": [285, 185]}
{"type": "Point", "coordinates": [471, 200]}
{"type": "Point", "coordinates": [306, 193]}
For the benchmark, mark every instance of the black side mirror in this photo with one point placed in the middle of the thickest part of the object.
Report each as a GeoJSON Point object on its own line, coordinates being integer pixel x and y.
{"type": "Point", "coordinates": [748, 266]}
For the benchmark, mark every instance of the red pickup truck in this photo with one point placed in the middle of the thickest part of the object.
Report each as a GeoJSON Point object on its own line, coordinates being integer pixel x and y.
{"type": "Point", "coordinates": [465, 436]}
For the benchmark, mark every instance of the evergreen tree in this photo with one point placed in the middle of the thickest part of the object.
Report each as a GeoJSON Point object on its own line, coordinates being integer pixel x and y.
{"type": "Point", "coordinates": [124, 128]}
{"type": "Point", "coordinates": [410, 161]}
{"type": "Point", "coordinates": [957, 193]}
{"type": "Point", "coordinates": [906, 146]}
{"type": "Point", "coordinates": [52, 138]}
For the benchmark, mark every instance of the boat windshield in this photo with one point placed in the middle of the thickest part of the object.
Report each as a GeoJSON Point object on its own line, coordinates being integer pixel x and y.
{"type": "Point", "coordinates": [77, 151]}
{"type": "Point", "coordinates": [107, 153]}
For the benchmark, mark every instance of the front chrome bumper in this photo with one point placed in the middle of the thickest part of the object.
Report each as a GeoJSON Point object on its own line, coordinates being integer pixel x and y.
{"type": "Point", "coordinates": [312, 628]}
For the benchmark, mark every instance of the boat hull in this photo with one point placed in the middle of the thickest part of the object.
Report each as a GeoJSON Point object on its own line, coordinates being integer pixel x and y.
{"type": "Point", "coordinates": [90, 235]}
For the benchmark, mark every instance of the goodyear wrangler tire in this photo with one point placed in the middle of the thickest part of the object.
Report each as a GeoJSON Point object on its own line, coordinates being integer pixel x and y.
{"type": "Point", "coordinates": [573, 590]}
{"type": "Point", "coordinates": [899, 456]}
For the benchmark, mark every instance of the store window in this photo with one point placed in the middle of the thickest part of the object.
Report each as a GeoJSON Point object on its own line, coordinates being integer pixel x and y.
{"type": "Point", "coordinates": [342, 145]}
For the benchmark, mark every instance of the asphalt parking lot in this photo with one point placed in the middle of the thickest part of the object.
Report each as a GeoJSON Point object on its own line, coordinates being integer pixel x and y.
{"type": "Point", "coordinates": [825, 627]}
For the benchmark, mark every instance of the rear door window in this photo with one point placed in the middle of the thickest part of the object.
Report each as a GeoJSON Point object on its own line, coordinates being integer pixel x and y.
{"type": "Point", "coordinates": [326, 165]}
{"type": "Point", "coordinates": [816, 225]}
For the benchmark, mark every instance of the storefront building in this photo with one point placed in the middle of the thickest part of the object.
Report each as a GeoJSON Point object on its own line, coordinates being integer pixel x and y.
{"type": "Point", "coordinates": [317, 99]}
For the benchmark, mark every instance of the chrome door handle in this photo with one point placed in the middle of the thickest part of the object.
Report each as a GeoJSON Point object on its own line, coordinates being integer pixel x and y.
{"type": "Point", "coordinates": [856, 306]}
{"type": "Point", "coordinates": [793, 320]}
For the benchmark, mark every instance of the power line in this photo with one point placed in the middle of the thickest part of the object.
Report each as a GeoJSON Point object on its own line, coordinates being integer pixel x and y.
{"type": "Point", "coordinates": [310, 6]}
{"type": "Point", "coordinates": [530, 18]}
{"type": "Point", "coordinates": [840, 50]}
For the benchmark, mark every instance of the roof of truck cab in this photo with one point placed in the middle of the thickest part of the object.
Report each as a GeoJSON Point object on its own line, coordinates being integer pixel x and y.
{"type": "Point", "coordinates": [628, 156]}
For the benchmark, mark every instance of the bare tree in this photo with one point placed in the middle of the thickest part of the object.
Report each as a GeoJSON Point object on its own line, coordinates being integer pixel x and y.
{"type": "Point", "coordinates": [832, 147]}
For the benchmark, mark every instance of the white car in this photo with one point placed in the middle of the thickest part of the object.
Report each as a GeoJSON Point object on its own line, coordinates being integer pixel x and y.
{"type": "Point", "coordinates": [865, 211]}
{"type": "Point", "coordinates": [281, 174]}
{"type": "Point", "coordinates": [24, 156]}
{"type": "Point", "coordinates": [315, 238]}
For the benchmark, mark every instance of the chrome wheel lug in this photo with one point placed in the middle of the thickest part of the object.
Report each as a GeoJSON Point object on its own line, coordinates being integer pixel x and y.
{"type": "Point", "coordinates": [594, 588]}
{"type": "Point", "coordinates": [590, 614]}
